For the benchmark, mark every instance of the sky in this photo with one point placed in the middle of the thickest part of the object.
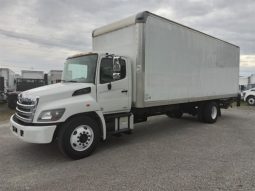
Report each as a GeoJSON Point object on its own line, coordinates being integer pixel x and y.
{"type": "Point", "coordinates": [41, 34]}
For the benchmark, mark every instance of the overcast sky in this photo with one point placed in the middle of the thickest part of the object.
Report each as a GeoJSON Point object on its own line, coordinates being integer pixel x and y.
{"type": "Point", "coordinates": [40, 34]}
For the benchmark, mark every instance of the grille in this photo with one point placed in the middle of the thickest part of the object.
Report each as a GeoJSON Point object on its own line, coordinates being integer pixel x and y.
{"type": "Point", "coordinates": [25, 110]}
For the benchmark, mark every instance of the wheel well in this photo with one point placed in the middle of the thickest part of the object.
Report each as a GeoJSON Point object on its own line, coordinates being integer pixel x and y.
{"type": "Point", "coordinates": [250, 96]}
{"type": "Point", "coordinates": [93, 115]}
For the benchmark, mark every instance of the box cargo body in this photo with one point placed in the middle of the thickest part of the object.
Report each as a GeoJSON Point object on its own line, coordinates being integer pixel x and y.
{"type": "Point", "coordinates": [29, 74]}
{"type": "Point", "coordinates": [171, 63]}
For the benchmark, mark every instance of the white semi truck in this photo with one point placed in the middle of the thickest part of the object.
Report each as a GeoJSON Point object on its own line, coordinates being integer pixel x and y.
{"type": "Point", "coordinates": [142, 66]}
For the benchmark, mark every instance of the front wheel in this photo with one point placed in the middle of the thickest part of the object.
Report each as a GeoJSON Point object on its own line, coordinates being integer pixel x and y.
{"type": "Point", "coordinates": [78, 137]}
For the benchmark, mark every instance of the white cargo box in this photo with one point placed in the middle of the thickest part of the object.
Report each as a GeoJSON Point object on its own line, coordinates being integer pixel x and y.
{"type": "Point", "coordinates": [172, 63]}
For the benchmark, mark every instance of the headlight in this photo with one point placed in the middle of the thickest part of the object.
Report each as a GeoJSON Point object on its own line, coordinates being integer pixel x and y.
{"type": "Point", "coordinates": [51, 115]}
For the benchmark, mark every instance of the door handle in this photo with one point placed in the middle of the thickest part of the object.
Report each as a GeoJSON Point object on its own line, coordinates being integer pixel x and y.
{"type": "Point", "coordinates": [124, 91]}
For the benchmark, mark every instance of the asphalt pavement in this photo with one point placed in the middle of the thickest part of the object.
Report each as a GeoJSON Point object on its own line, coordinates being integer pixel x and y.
{"type": "Point", "coordinates": [161, 154]}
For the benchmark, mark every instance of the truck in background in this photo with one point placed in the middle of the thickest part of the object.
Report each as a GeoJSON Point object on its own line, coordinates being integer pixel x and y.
{"type": "Point", "coordinates": [31, 74]}
{"type": "Point", "coordinates": [138, 68]}
{"type": "Point", "coordinates": [7, 82]}
{"type": "Point", "coordinates": [29, 79]}
{"type": "Point", "coordinates": [54, 76]}
{"type": "Point", "coordinates": [2, 90]}
{"type": "Point", "coordinates": [249, 96]}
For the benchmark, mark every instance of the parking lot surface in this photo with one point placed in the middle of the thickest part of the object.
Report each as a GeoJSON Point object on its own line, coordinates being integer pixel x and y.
{"type": "Point", "coordinates": [161, 154]}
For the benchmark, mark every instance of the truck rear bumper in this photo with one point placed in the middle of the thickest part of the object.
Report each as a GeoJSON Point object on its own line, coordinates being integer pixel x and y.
{"type": "Point", "coordinates": [33, 134]}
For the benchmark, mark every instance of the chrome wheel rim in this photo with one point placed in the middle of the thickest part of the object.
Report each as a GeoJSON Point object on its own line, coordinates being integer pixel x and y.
{"type": "Point", "coordinates": [251, 101]}
{"type": "Point", "coordinates": [81, 138]}
{"type": "Point", "coordinates": [214, 112]}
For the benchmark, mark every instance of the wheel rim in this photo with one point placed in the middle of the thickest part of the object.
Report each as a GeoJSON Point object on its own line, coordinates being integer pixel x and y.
{"type": "Point", "coordinates": [251, 101]}
{"type": "Point", "coordinates": [82, 137]}
{"type": "Point", "coordinates": [214, 112]}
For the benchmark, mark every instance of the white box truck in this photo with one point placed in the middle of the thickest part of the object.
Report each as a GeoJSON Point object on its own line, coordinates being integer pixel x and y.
{"type": "Point", "coordinates": [141, 66]}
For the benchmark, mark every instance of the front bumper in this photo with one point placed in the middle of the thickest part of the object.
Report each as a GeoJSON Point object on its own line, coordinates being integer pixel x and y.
{"type": "Point", "coordinates": [33, 134]}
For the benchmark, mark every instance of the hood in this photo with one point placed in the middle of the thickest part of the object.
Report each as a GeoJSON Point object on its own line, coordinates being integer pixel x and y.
{"type": "Point", "coordinates": [55, 91]}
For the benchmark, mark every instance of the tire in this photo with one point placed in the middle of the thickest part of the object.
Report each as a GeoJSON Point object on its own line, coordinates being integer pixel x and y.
{"type": "Point", "coordinates": [175, 114]}
{"type": "Point", "coordinates": [78, 137]}
{"type": "Point", "coordinates": [210, 112]}
{"type": "Point", "coordinates": [250, 100]}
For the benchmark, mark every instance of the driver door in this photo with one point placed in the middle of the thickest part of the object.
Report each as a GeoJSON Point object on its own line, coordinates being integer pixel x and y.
{"type": "Point", "coordinates": [112, 90]}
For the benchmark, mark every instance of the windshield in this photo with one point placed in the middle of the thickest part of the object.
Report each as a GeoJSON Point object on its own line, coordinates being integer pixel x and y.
{"type": "Point", "coordinates": [80, 69]}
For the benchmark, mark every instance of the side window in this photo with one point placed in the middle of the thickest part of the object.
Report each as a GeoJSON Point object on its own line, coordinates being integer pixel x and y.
{"type": "Point", "coordinates": [106, 70]}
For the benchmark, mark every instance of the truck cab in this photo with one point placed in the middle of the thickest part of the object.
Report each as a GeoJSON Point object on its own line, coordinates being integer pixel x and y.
{"type": "Point", "coordinates": [249, 96]}
{"type": "Point", "coordinates": [93, 97]}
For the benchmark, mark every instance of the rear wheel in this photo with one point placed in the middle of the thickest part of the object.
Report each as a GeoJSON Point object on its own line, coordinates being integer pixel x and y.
{"type": "Point", "coordinates": [210, 112]}
{"type": "Point", "coordinates": [78, 137]}
{"type": "Point", "coordinates": [250, 100]}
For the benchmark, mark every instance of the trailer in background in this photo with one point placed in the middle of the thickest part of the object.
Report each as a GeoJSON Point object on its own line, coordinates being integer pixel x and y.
{"type": "Point", "coordinates": [2, 93]}
{"type": "Point", "coordinates": [23, 85]}
{"type": "Point", "coordinates": [251, 81]}
{"type": "Point", "coordinates": [7, 82]}
{"type": "Point", "coordinates": [243, 83]}
{"type": "Point", "coordinates": [9, 76]}
{"type": "Point", "coordinates": [31, 74]}
{"type": "Point", "coordinates": [27, 84]}
{"type": "Point", "coordinates": [54, 76]}
{"type": "Point", "coordinates": [29, 79]}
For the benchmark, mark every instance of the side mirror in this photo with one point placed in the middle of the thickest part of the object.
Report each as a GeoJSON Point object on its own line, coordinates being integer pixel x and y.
{"type": "Point", "coordinates": [116, 76]}
{"type": "Point", "coordinates": [116, 68]}
{"type": "Point", "coordinates": [116, 64]}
